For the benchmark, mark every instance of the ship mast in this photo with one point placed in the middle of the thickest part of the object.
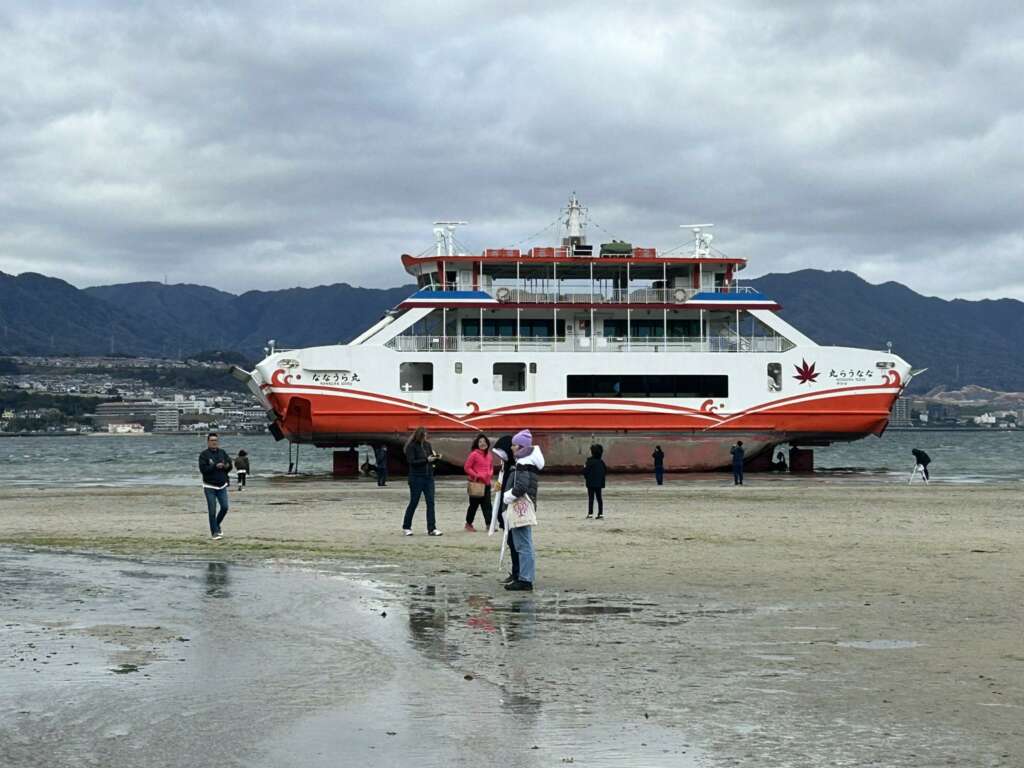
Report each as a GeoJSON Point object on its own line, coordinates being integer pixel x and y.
{"type": "Point", "coordinates": [575, 223]}
{"type": "Point", "coordinates": [444, 236]}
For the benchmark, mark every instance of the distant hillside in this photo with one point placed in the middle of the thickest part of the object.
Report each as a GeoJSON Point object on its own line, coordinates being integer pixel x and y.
{"type": "Point", "coordinates": [208, 319]}
{"type": "Point", "coordinates": [959, 342]}
{"type": "Point", "coordinates": [44, 315]}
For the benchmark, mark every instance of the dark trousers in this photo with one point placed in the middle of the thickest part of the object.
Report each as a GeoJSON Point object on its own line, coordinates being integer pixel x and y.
{"type": "Point", "coordinates": [213, 497]}
{"type": "Point", "coordinates": [241, 478]}
{"type": "Point", "coordinates": [594, 493]}
{"type": "Point", "coordinates": [513, 554]}
{"type": "Point", "coordinates": [659, 475]}
{"type": "Point", "coordinates": [924, 471]}
{"type": "Point", "coordinates": [420, 485]}
{"type": "Point", "coordinates": [382, 474]}
{"type": "Point", "coordinates": [484, 504]}
{"type": "Point", "coordinates": [737, 474]}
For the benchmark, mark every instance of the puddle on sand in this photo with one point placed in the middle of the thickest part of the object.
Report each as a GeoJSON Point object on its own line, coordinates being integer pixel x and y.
{"type": "Point", "coordinates": [320, 670]}
{"type": "Point", "coordinates": [878, 645]}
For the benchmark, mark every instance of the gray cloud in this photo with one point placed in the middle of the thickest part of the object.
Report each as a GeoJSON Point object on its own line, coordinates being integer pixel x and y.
{"type": "Point", "coordinates": [264, 147]}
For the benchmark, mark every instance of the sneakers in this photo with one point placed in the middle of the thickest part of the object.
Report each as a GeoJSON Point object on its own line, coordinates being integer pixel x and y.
{"type": "Point", "coordinates": [590, 517]}
{"type": "Point", "coordinates": [509, 579]}
{"type": "Point", "coordinates": [434, 532]}
{"type": "Point", "coordinates": [406, 532]}
{"type": "Point", "coordinates": [519, 586]}
{"type": "Point", "coordinates": [600, 517]}
{"type": "Point", "coordinates": [218, 535]}
{"type": "Point", "coordinates": [469, 528]}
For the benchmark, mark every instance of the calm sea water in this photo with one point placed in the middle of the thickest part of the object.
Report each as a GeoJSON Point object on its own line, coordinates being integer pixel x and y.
{"type": "Point", "coordinates": [962, 457]}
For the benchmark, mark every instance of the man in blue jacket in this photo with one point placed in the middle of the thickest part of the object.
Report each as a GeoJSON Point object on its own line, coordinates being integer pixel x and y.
{"type": "Point", "coordinates": [214, 465]}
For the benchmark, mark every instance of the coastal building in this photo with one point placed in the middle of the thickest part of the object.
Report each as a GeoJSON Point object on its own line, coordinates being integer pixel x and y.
{"type": "Point", "coordinates": [125, 412]}
{"type": "Point", "coordinates": [940, 413]}
{"type": "Point", "coordinates": [167, 420]}
{"type": "Point", "coordinates": [901, 413]}
{"type": "Point", "coordinates": [126, 429]}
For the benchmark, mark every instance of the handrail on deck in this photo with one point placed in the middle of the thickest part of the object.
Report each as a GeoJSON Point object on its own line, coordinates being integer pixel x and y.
{"type": "Point", "coordinates": [729, 343]}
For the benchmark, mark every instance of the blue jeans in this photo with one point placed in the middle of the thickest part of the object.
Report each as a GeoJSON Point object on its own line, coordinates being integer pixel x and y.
{"type": "Point", "coordinates": [212, 498]}
{"type": "Point", "coordinates": [420, 485]}
{"type": "Point", "coordinates": [659, 474]}
{"type": "Point", "coordinates": [737, 474]}
{"type": "Point", "coordinates": [523, 538]}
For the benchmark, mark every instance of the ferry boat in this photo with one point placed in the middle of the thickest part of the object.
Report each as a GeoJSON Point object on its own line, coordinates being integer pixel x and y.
{"type": "Point", "coordinates": [581, 343]}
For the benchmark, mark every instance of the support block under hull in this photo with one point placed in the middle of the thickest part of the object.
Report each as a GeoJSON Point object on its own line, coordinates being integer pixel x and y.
{"type": "Point", "coordinates": [623, 452]}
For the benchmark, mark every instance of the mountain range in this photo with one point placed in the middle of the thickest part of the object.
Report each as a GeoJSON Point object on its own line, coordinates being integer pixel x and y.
{"type": "Point", "coordinates": [960, 342]}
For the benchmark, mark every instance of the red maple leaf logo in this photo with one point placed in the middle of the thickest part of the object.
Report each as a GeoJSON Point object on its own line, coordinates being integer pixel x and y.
{"type": "Point", "coordinates": [805, 373]}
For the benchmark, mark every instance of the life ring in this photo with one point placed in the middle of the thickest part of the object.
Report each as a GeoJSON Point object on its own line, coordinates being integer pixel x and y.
{"type": "Point", "coordinates": [679, 295]}
{"type": "Point", "coordinates": [503, 294]}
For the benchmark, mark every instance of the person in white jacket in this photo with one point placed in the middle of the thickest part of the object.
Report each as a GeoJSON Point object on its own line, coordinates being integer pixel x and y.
{"type": "Point", "coordinates": [521, 516]}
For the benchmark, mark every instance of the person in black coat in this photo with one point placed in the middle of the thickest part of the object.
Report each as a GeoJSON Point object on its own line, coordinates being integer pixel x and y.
{"type": "Point", "coordinates": [922, 460]}
{"type": "Point", "coordinates": [595, 471]}
{"type": "Point", "coordinates": [737, 462]}
{"type": "Point", "coordinates": [420, 457]}
{"type": "Point", "coordinates": [381, 457]}
{"type": "Point", "coordinates": [214, 466]}
{"type": "Point", "coordinates": [503, 450]}
{"type": "Point", "coordinates": [659, 464]}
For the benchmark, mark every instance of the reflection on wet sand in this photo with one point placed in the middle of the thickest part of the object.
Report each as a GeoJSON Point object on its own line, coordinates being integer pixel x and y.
{"type": "Point", "coordinates": [217, 580]}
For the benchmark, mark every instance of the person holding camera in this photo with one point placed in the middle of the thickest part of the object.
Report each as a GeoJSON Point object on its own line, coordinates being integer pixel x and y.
{"type": "Point", "coordinates": [420, 457]}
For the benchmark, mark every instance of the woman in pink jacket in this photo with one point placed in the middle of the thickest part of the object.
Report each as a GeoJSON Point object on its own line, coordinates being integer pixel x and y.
{"type": "Point", "coordinates": [479, 468]}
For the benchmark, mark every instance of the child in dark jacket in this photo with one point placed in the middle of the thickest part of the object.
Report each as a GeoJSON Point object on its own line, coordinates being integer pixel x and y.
{"type": "Point", "coordinates": [594, 471]}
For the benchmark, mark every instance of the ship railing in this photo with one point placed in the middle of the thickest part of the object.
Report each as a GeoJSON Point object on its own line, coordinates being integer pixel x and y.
{"type": "Point", "coordinates": [507, 295]}
{"type": "Point", "coordinates": [571, 343]}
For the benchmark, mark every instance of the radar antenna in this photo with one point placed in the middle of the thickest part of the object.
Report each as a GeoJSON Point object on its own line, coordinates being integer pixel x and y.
{"type": "Point", "coordinates": [701, 239]}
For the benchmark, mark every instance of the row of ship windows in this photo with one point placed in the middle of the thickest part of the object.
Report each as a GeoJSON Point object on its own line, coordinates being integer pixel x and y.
{"type": "Point", "coordinates": [534, 327]}
{"type": "Point", "coordinates": [511, 377]}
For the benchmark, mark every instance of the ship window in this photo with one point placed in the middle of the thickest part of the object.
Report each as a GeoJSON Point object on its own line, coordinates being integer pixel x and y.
{"type": "Point", "coordinates": [416, 377]}
{"type": "Point", "coordinates": [661, 386]}
{"type": "Point", "coordinates": [510, 377]}
{"type": "Point", "coordinates": [774, 377]}
{"type": "Point", "coordinates": [604, 385]}
{"type": "Point", "coordinates": [458, 367]}
{"type": "Point", "coordinates": [506, 327]}
{"type": "Point", "coordinates": [533, 367]}
{"type": "Point", "coordinates": [645, 329]}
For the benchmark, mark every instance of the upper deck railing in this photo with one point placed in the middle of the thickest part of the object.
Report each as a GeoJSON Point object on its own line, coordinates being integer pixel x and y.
{"type": "Point", "coordinates": [729, 343]}
{"type": "Point", "coordinates": [513, 295]}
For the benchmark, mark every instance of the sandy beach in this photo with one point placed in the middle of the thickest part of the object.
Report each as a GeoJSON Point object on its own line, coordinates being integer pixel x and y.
{"type": "Point", "coordinates": [792, 622]}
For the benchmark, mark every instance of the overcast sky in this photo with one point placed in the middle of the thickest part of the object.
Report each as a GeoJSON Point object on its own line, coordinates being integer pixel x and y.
{"type": "Point", "coordinates": [261, 147]}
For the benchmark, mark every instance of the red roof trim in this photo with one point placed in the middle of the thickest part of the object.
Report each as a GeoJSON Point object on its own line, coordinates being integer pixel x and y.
{"type": "Point", "coordinates": [408, 261]}
{"type": "Point", "coordinates": [721, 306]}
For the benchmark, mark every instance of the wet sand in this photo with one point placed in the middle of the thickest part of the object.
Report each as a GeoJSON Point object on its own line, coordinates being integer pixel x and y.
{"type": "Point", "coordinates": [791, 622]}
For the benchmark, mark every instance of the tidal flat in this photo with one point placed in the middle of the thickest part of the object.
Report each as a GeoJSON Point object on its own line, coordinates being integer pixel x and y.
{"type": "Point", "coordinates": [789, 623]}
